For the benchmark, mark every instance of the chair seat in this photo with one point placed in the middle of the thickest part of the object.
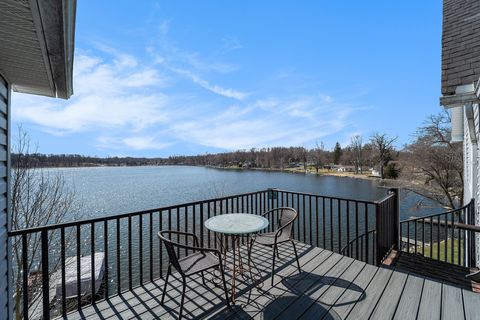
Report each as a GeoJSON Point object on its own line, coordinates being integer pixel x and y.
{"type": "Point", "coordinates": [197, 262]}
{"type": "Point", "coordinates": [268, 239]}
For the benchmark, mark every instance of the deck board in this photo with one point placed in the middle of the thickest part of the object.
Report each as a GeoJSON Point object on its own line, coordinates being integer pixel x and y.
{"type": "Point", "coordinates": [330, 286]}
{"type": "Point", "coordinates": [430, 301]}
{"type": "Point", "coordinates": [407, 307]}
{"type": "Point", "coordinates": [387, 304]}
{"type": "Point", "coordinates": [353, 294]}
{"type": "Point", "coordinates": [452, 303]}
{"type": "Point", "coordinates": [471, 299]}
{"type": "Point", "coordinates": [333, 293]}
{"type": "Point", "coordinates": [373, 293]}
{"type": "Point", "coordinates": [306, 294]}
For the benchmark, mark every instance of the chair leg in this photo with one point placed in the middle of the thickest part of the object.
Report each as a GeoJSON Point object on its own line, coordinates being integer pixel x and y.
{"type": "Point", "coordinates": [227, 299]}
{"type": "Point", "coordinates": [273, 261]}
{"type": "Point", "coordinates": [276, 251]}
{"type": "Point", "coordinates": [203, 279]}
{"type": "Point", "coordinates": [183, 297]}
{"type": "Point", "coordinates": [296, 256]}
{"type": "Point", "coordinates": [166, 281]}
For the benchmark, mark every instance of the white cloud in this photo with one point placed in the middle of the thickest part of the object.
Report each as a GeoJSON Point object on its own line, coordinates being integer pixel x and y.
{"type": "Point", "coordinates": [226, 92]}
{"type": "Point", "coordinates": [230, 44]}
{"type": "Point", "coordinates": [129, 105]}
{"type": "Point", "coordinates": [266, 123]}
{"type": "Point", "coordinates": [144, 143]}
{"type": "Point", "coordinates": [131, 143]}
{"type": "Point", "coordinates": [108, 95]}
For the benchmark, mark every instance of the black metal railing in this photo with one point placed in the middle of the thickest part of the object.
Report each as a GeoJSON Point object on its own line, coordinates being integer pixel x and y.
{"type": "Point", "coordinates": [383, 237]}
{"type": "Point", "coordinates": [132, 254]}
{"type": "Point", "coordinates": [357, 248]}
{"type": "Point", "coordinates": [332, 223]}
{"type": "Point", "coordinates": [446, 236]}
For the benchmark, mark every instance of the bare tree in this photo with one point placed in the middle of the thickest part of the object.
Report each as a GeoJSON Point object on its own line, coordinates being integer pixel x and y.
{"type": "Point", "coordinates": [383, 146]}
{"type": "Point", "coordinates": [356, 143]}
{"type": "Point", "coordinates": [435, 162]}
{"type": "Point", "coordinates": [38, 197]}
{"type": "Point", "coordinates": [319, 156]}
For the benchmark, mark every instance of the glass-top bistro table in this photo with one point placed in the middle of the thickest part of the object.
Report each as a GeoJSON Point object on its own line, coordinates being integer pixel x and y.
{"type": "Point", "coordinates": [235, 225]}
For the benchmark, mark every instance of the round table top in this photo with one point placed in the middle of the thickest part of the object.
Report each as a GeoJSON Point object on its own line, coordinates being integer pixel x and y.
{"type": "Point", "coordinates": [236, 223]}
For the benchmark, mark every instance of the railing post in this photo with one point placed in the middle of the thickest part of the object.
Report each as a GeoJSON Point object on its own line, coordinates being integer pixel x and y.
{"type": "Point", "coordinates": [272, 195]}
{"type": "Point", "coordinates": [387, 225]}
{"type": "Point", "coordinates": [472, 236]}
{"type": "Point", "coordinates": [45, 276]}
{"type": "Point", "coordinates": [396, 218]}
{"type": "Point", "coordinates": [378, 235]}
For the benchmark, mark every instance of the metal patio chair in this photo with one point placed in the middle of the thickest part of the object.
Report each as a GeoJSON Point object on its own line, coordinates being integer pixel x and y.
{"type": "Point", "coordinates": [200, 260]}
{"type": "Point", "coordinates": [285, 216]}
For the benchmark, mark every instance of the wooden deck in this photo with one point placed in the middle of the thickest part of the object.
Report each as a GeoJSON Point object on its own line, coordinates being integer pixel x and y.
{"type": "Point", "coordinates": [438, 270]}
{"type": "Point", "coordinates": [330, 286]}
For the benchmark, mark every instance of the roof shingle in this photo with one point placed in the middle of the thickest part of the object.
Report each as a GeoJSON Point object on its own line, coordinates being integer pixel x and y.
{"type": "Point", "coordinates": [460, 44]}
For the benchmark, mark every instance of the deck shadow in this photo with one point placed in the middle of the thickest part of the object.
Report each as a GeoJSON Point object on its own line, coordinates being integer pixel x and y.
{"type": "Point", "coordinates": [271, 310]}
{"type": "Point", "coordinates": [293, 283]}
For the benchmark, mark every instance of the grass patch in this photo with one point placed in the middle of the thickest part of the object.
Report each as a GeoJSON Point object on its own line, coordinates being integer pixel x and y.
{"type": "Point", "coordinates": [442, 257]}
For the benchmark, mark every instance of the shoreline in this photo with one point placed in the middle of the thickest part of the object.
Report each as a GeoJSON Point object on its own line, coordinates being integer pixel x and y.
{"type": "Point", "coordinates": [323, 172]}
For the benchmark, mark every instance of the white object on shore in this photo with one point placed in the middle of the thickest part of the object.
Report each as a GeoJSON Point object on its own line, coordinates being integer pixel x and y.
{"type": "Point", "coordinates": [55, 281]}
{"type": "Point", "coordinates": [85, 275]}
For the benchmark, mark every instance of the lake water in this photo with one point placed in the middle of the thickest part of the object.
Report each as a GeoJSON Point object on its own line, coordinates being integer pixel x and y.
{"type": "Point", "coordinates": [113, 190]}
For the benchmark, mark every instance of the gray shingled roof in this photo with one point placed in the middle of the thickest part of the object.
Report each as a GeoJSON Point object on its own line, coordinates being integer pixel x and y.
{"type": "Point", "coordinates": [460, 44]}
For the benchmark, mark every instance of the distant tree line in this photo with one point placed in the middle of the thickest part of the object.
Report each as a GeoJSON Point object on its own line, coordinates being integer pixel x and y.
{"type": "Point", "coordinates": [357, 155]}
{"type": "Point", "coordinates": [74, 160]}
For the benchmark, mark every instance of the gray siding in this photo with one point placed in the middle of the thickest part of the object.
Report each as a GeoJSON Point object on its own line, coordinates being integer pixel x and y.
{"type": "Point", "coordinates": [471, 174]}
{"type": "Point", "coordinates": [5, 249]}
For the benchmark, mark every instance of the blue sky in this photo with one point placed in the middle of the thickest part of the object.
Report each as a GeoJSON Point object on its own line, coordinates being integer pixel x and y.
{"type": "Point", "coordinates": [156, 78]}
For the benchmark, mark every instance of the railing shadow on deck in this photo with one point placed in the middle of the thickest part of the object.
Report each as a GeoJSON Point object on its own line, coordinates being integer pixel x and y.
{"type": "Point", "coordinates": [303, 298]}
{"type": "Point", "coordinates": [270, 311]}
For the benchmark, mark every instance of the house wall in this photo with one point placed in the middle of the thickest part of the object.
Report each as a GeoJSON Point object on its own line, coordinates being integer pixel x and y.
{"type": "Point", "coordinates": [5, 249]}
{"type": "Point", "coordinates": [471, 175]}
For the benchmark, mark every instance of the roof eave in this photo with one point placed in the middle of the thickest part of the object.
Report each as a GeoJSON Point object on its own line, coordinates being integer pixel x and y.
{"type": "Point", "coordinates": [58, 24]}
{"type": "Point", "coordinates": [53, 22]}
{"type": "Point", "coordinates": [465, 94]}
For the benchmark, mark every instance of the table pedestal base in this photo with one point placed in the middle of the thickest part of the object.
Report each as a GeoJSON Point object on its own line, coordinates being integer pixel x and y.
{"type": "Point", "coordinates": [248, 271]}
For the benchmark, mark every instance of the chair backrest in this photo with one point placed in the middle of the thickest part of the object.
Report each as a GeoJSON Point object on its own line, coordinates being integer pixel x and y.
{"type": "Point", "coordinates": [165, 237]}
{"type": "Point", "coordinates": [286, 216]}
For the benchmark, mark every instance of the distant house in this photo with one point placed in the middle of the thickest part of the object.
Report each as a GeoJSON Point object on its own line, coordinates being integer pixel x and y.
{"type": "Point", "coordinates": [461, 88]}
{"type": "Point", "coordinates": [346, 168]}
{"type": "Point", "coordinates": [36, 56]}
{"type": "Point", "coordinates": [375, 172]}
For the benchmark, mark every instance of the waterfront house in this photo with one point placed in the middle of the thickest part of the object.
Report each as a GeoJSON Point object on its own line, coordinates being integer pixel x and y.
{"type": "Point", "coordinates": [358, 260]}
{"type": "Point", "coordinates": [374, 172]}
{"type": "Point", "coordinates": [346, 168]}
{"type": "Point", "coordinates": [36, 57]}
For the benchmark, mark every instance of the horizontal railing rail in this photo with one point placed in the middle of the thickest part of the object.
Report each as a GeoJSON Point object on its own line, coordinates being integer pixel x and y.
{"type": "Point", "coordinates": [447, 236]}
{"type": "Point", "coordinates": [330, 222]}
{"type": "Point", "coordinates": [81, 262]}
{"type": "Point", "coordinates": [357, 248]}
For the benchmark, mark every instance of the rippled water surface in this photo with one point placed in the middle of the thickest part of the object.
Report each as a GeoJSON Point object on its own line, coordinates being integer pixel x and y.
{"type": "Point", "coordinates": [113, 190]}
